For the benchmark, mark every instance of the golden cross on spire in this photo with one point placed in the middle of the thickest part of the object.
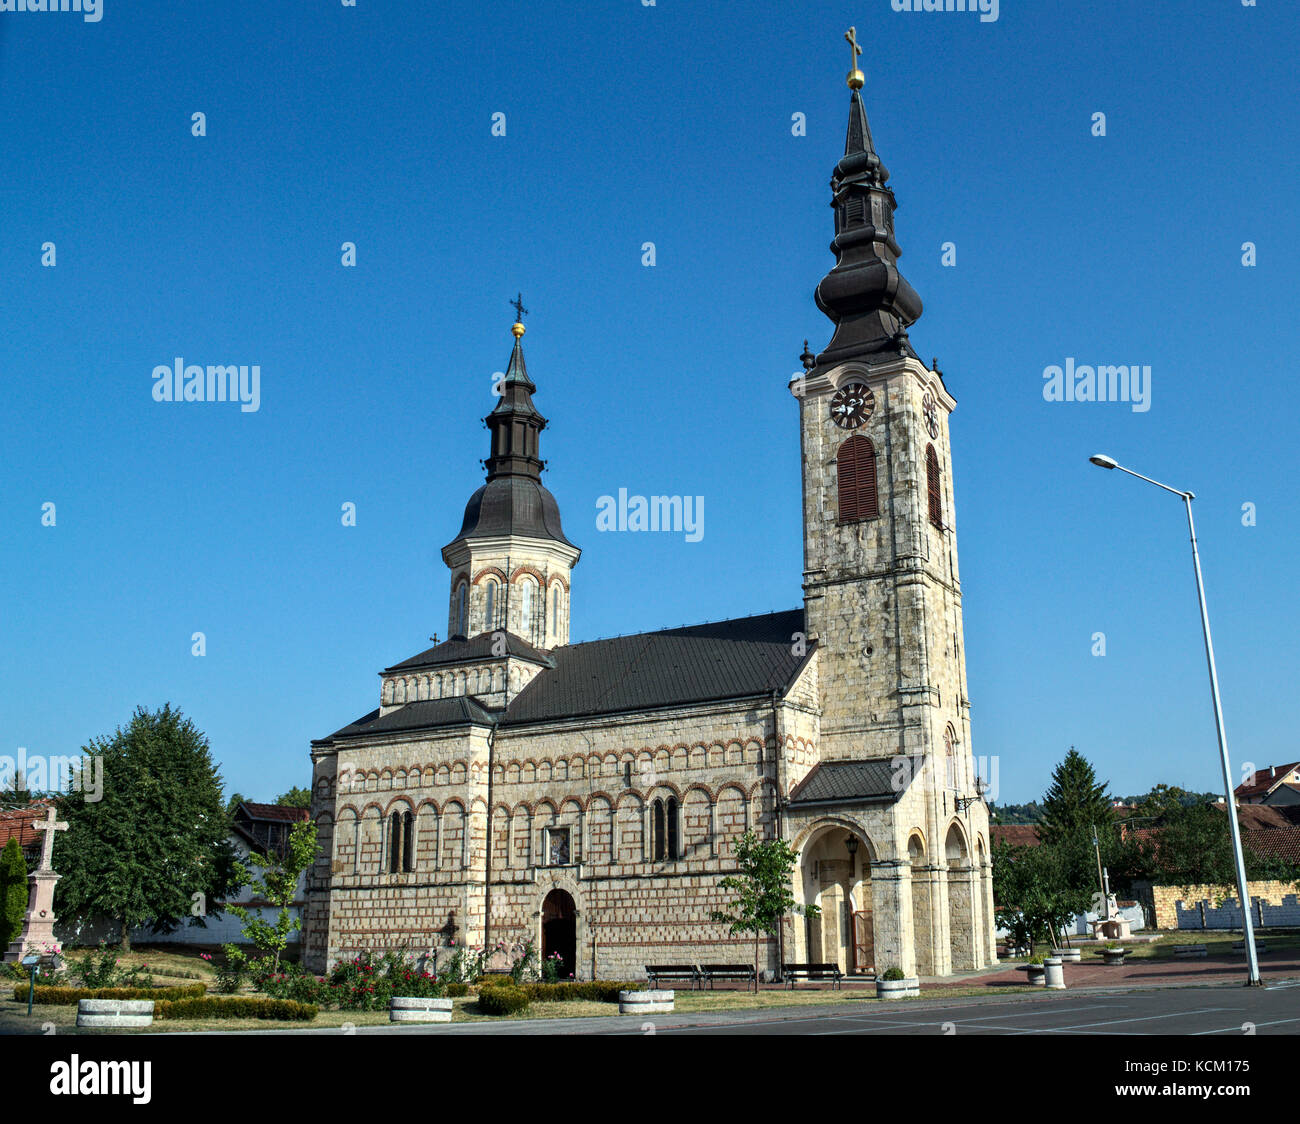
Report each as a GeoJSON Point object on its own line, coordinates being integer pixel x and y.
{"type": "Point", "coordinates": [855, 78]}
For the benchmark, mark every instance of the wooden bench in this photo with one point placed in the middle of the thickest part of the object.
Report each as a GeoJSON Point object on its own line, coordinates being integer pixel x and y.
{"type": "Point", "coordinates": [656, 973]}
{"type": "Point", "coordinates": [830, 972]}
{"type": "Point", "coordinates": [742, 972]}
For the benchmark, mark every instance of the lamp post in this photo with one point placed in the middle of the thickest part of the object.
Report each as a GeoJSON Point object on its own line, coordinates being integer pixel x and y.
{"type": "Point", "coordinates": [1248, 926]}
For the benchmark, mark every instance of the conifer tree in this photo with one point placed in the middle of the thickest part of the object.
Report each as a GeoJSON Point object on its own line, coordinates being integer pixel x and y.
{"type": "Point", "coordinates": [13, 893]}
{"type": "Point", "coordinates": [1075, 803]}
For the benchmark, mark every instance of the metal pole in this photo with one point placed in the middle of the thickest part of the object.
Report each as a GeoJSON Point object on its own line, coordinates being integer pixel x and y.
{"type": "Point", "coordinates": [1242, 889]}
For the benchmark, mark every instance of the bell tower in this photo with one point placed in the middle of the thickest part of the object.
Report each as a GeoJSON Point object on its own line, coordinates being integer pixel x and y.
{"type": "Point", "coordinates": [881, 589]}
{"type": "Point", "coordinates": [511, 562]}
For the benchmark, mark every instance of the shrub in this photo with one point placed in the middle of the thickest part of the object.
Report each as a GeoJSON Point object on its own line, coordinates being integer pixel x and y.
{"type": "Point", "coordinates": [456, 990]}
{"type": "Point", "coordinates": [13, 892]}
{"type": "Point", "coordinates": [598, 991]}
{"type": "Point", "coordinates": [292, 983]}
{"type": "Point", "coordinates": [502, 999]}
{"type": "Point", "coordinates": [230, 1007]}
{"type": "Point", "coordinates": [894, 973]}
{"type": "Point", "coordinates": [61, 996]}
{"type": "Point", "coordinates": [231, 970]}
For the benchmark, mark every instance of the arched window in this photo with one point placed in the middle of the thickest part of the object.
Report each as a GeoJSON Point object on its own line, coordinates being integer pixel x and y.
{"type": "Point", "coordinates": [490, 606]}
{"type": "Point", "coordinates": [855, 468]}
{"type": "Point", "coordinates": [555, 609]}
{"type": "Point", "coordinates": [408, 838]}
{"type": "Point", "coordinates": [950, 757]}
{"type": "Point", "coordinates": [671, 812]}
{"type": "Point", "coordinates": [395, 842]}
{"type": "Point", "coordinates": [663, 829]}
{"type": "Point", "coordinates": [526, 608]}
{"type": "Point", "coordinates": [658, 835]}
{"type": "Point", "coordinates": [462, 597]}
{"type": "Point", "coordinates": [932, 486]}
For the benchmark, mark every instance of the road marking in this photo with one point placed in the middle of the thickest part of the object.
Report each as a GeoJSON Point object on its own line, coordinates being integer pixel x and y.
{"type": "Point", "coordinates": [1237, 1029]}
{"type": "Point", "coordinates": [1116, 1022]}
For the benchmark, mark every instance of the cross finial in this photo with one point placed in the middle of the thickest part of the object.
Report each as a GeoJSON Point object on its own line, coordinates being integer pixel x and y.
{"type": "Point", "coordinates": [855, 77]}
{"type": "Point", "coordinates": [520, 312]}
{"type": "Point", "coordinates": [49, 825]}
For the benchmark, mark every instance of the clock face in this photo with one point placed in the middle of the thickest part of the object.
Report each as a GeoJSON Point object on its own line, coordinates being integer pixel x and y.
{"type": "Point", "coordinates": [931, 412]}
{"type": "Point", "coordinates": [852, 405]}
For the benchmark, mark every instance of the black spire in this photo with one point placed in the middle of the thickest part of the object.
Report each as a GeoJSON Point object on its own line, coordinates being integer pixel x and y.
{"type": "Point", "coordinates": [515, 422]}
{"type": "Point", "coordinates": [869, 301]}
{"type": "Point", "coordinates": [513, 501]}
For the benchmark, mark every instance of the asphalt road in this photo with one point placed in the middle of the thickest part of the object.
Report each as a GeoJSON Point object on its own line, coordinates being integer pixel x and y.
{"type": "Point", "coordinates": [1224, 1010]}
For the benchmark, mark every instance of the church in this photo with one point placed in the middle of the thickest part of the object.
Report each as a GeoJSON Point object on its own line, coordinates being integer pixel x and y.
{"type": "Point", "coordinates": [511, 784]}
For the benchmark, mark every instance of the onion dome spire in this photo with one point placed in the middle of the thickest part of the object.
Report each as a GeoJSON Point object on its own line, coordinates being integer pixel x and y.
{"type": "Point", "coordinates": [868, 300]}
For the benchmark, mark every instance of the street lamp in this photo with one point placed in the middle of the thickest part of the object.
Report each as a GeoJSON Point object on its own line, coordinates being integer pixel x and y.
{"type": "Point", "coordinates": [1253, 980]}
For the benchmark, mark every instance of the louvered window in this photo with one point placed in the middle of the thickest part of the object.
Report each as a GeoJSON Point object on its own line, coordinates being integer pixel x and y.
{"type": "Point", "coordinates": [932, 486]}
{"type": "Point", "coordinates": [856, 473]}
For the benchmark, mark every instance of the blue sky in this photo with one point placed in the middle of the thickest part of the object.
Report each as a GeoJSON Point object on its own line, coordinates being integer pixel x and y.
{"type": "Point", "coordinates": [628, 124]}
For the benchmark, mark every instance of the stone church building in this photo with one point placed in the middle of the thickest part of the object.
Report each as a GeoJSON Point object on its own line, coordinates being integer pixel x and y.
{"type": "Point", "coordinates": [591, 795]}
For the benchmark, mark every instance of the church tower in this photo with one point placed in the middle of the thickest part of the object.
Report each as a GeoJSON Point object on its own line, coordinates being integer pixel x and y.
{"type": "Point", "coordinates": [510, 562]}
{"type": "Point", "coordinates": [881, 587]}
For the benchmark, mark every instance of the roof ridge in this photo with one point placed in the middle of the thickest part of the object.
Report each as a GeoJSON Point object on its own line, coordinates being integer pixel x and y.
{"type": "Point", "coordinates": [685, 627]}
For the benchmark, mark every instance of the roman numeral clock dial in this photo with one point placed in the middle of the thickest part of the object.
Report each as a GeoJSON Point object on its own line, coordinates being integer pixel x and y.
{"type": "Point", "coordinates": [852, 405]}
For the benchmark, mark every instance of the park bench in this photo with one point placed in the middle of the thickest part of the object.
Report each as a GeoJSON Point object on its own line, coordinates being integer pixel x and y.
{"type": "Point", "coordinates": [743, 972]}
{"type": "Point", "coordinates": [658, 973]}
{"type": "Point", "coordinates": [830, 972]}
{"type": "Point", "coordinates": [1197, 951]}
{"type": "Point", "coordinates": [1240, 946]}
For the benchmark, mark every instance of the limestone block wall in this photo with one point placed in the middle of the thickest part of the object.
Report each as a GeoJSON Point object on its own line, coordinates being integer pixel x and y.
{"type": "Point", "coordinates": [1219, 907]}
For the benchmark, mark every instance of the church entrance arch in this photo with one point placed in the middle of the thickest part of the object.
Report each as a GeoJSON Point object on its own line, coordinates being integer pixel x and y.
{"type": "Point", "coordinates": [835, 875]}
{"type": "Point", "coordinates": [560, 931]}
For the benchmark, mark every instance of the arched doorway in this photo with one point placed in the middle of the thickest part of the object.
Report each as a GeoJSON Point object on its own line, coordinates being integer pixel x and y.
{"type": "Point", "coordinates": [835, 874]}
{"type": "Point", "coordinates": [560, 931]}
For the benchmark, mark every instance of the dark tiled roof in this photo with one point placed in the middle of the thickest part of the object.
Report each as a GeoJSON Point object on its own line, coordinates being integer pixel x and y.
{"type": "Point", "coordinates": [737, 659]}
{"type": "Point", "coordinates": [425, 715]}
{"type": "Point", "coordinates": [852, 781]}
{"type": "Point", "coordinates": [1261, 780]}
{"type": "Point", "coordinates": [460, 650]}
{"type": "Point", "coordinates": [1014, 834]}
{"type": "Point", "coordinates": [732, 659]}
{"type": "Point", "coordinates": [274, 812]}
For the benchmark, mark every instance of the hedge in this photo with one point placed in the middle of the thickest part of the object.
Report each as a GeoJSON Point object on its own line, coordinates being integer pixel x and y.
{"type": "Point", "coordinates": [502, 999]}
{"type": "Point", "coordinates": [565, 991]}
{"type": "Point", "coordinates": [231, 1007]}
{"type": "Point", "coordinates": [62, 996]}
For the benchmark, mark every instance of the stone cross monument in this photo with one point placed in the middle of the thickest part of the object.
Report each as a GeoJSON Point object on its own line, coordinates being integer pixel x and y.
{"type": "Point", "coordinates": [38, 925]}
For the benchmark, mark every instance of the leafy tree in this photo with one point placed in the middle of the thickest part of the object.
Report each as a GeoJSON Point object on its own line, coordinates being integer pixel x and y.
{"type": "Point", "coordinates": [295, 798]}
{"type": "Point", "coordinates": [13, 893]}
{"type": "Point", "coordinates": [1029, 813]}
{"type": "Point", "coordinates": [764, 887]}
{"type": "Point", "coordinates": [1192, 846]}
{"type": "Point", "coordinates": [236, 799]}
{"type": "Point", "coordinates": [155, 848]}
{"type": "Point", "coordinates": [1075, 802]}
{"type": "Point", "coordinates": [1036, 893]}
{"type": "Point", "coordinates": [278, 885]}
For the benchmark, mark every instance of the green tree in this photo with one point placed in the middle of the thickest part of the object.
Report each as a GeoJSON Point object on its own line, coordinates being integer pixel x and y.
{"type": "Point", "coordinates": [295, 798]}
{"type": "Point", "coordinates": [1036, 893]}
{"type": "Point", "coordinates": [1075, 802]}
{"type": "Point", "coordinates": [1192, 846]}
{"type": "Point", "coordinates": [764, 888]}
{"type": "Point", "coordinates": [277, 884]}
{"type": "Point", "coordinates": [155, 849]}
{"type": "Point", "coordinates": [236, 799]}
{"type": "Point", "coordinates": [13, 893]}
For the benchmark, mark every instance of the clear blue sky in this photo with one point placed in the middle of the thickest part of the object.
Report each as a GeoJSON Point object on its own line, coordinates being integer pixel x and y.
{"type": "Point", "coordinates": [628, 124]}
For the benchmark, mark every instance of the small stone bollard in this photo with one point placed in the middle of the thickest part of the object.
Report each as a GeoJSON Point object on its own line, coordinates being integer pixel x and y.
{"type": "Point", "coordinates": [1068, 955]}
{"type": "Point", "coordinates": [644, 1002]}
{"type": "Point", "coordinates": [115, 1012]}
{"type": "Point", "coordinates": [1053, 974]}
{"type": "Point", "coordinates": [409, 1009]}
